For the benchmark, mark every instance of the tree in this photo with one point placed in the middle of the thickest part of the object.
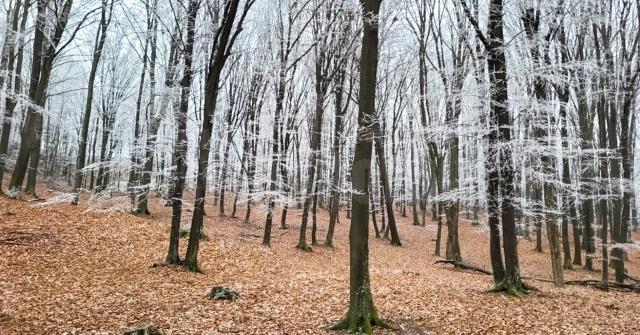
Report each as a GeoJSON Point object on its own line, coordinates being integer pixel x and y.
{"type": "Point", "coordinates": [287, 43]}
{"type": "Point", "coordinates": [543, 122]}
{"type": "Point", "coordinates": [101, 36]}
{"type": "Point", "coordinates": [43, 58]}
{"type": "Point", "coordinates": [329, 55]}
{"type": "Point", "coordinates": [362, 314]}
{"type": "Point", "coordinates": [12, 61]}
{"type": "Point", "coordinates": [499, 164]}
{"type": "Point", "coordinates": [226, 36]}
{"type": "Point", "coordinates": [179, 157]}
{"type": "Point", "coordinates": [340, 111]}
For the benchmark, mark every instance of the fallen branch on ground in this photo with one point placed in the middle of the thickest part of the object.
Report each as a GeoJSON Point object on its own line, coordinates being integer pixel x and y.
{"type": "Point", "coordinates": [464, 266]}
{"type": "Point", "coordinates": [627, 276]}
{"type": "Point", "coordinates": [598, 284]}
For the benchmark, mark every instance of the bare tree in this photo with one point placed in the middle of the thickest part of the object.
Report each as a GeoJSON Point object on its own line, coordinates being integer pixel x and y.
{"type": "Point", "coordinates": [226, 36]}
{"type": "Point", "coordinates": [106, 14]}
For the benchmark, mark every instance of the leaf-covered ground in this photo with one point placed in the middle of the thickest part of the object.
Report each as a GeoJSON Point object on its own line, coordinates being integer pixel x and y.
{"type": "Point", "coordinates": [64, 271]}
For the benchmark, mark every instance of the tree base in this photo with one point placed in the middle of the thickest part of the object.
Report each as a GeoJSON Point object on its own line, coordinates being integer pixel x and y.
{"type": "Point", "coordinates": [512, 289]}
{"type": "Point", "coordinates": [191, 267]}
{"type": "Point", "coordinates": [141, 213]}
{"type": "Point", "coordinates": [32, 194]}
{"type": "Point", "coordinates": [360, 324]}
{"type": "Point", "coordinates": [168, 263]}
{"type": "Point", "coordinates": [304, 247]}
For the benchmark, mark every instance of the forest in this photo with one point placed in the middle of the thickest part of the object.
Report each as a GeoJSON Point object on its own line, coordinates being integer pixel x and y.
{"type": "Point", "coordinates": [319, 167]}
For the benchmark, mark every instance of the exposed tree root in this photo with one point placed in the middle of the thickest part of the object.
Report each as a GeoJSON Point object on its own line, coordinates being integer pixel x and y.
{"type": "Point", "coordinates": [191, 267]}
{"type": "Point", "coordinates": [464, 266]}
{"type": "Point", "coordinates": [304, 247]}
{"type": "Point", "coordinates": [361, 324]}
{"type": "Point", "coordinates": [141, 213]}
{"type": "Point", "coordinates": [598, 284]}
{"type": "Point", "coordinates": [508, 287]}
{"type": "Point", "coordinates": [512, 289]}
{"type": "Point", "coordinates": [628, 276]}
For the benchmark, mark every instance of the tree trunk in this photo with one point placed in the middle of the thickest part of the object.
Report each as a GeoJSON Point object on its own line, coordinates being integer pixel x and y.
{"type": "Point", "coordinates": [499, 164]}
{"type": "Point", "coordinates": [154, 118]}
{"type": "Point", "coordinates": [275, 158]}
{"type": "Point", "coordinates": [362, 314]}
{"type": "Point", "coordinates": [414, 179]}
{"type": "Point", "coordinates": [382, 168]}
{"type": "Point", "coordinates": [316, 141]}
{"type": "Point", "coordinates": [337, 158]}
{"type": "Point", "coordinates": [219, 55]}
{"type": "Point", "coordinates": [15, 80]}
{"type": "Point", "coordinates": [101, 36]}
{"type": "Point", "coordinates": [179, 157]}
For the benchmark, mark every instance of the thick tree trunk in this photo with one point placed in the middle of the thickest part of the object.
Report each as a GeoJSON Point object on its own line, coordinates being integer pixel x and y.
{"type": "Point", "coordinates": [42, 63]}
{"type": "Point", "coordinates": [453, 206]}
{"type": "Point", "coordinates": [362, 314]}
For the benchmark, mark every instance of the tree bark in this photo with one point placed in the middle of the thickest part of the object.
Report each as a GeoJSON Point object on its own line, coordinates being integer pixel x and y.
{"type": "Point", "coordinates": [384, 176]}
{"type": "Point", "coordinates": [219, 55]}
{"type": "Point", "coordinates": [179, 157]}
{"type": "Point", "coordinates": [15, 79]}
{"type": "Point", "coordinates": [362, 314]}
{"type": "Point", "coordinates": [101, 36]}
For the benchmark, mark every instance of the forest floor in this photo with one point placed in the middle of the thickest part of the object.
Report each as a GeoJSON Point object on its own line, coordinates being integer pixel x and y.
{"type": "Point", "coordinates": [65, 270]}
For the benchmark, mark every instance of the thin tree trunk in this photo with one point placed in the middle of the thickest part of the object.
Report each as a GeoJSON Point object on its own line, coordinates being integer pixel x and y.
{"type": "Point", "coordinates": [101, 36]}
{"type": "Point", "coordinates": [382, 168]}
{"type": "Point", "coordinates": [179, 157]}
{"type": "Point", "coordinates": [219, 55]}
